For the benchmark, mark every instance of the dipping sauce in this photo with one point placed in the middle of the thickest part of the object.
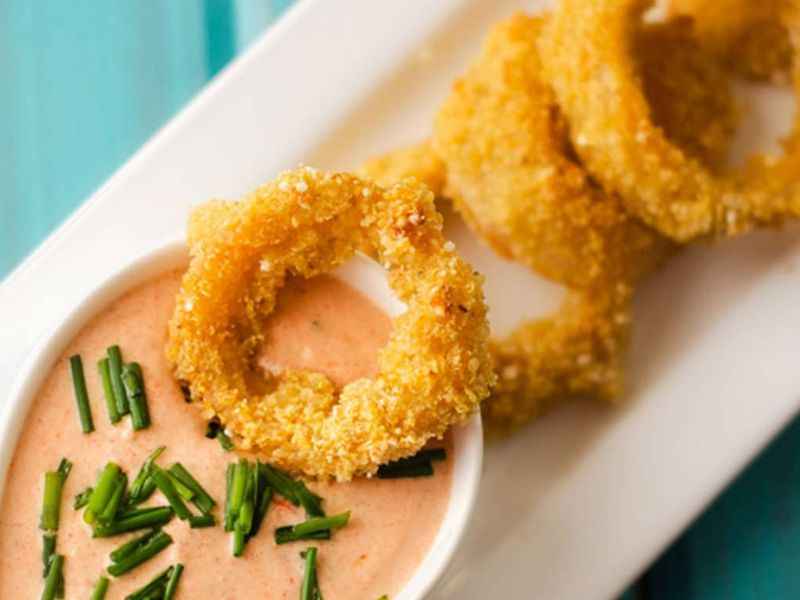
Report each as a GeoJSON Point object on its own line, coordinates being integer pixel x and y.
{"type": "Point", "coordinates": [322, 324]}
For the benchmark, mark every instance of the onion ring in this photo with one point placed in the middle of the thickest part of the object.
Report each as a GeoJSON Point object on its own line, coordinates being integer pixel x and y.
{"type": "Point", "coordinates": [586, 50]}
{"type": "Point", "coordinates": [433, 373]}
{"type": "Point", "coordinates": [500, 126]}
{"type": "Point", "coordinates": [744, 33]}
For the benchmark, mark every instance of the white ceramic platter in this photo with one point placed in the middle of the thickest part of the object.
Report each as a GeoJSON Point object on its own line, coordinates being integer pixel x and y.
{"type": "Point", "coordinates": [579, 503]}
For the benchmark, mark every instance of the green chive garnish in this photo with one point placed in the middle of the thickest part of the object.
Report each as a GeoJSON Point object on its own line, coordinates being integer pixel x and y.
{"type": "Point", "coordinates": [183, 490]}
{"type": "Point", "coordinates": [115, 371]}
{"type": "Point", "coordinates": [285, 535]}
{"type": "Point", "coordinates": [201, 521]}
{"type": "Point", "coordinates": [100, 588]}
{"type": "Point", "coordinates": [135, 520]}
{"type": "Point", "coordinates": [307, 529]}
{"type": "Point", "coordinates": [172, 582]}
{"type": "Point", "coordinates": [48, 550]}
{"type": "Point", "coordinates": [310, 588]}
{"type": "Point", "coordinates": [108, 390]}
{"type": "Point", "coordinates": [54, 577]}
{"type": "Point", "coordinates": [82, 499]}
{"type": "Point", "coordinates": [417, 470]}
{"type": "Point", "coordinates": [293, 490]}
{"type": "Point", "coordinates": [202, 499]}
{"type": "Point", "coordinates": [229, 516]}
{"type": "Point", "coordinates": [224, 440]}
{"type": "Point", "coordinates": [264, 499]}
{"type": "Point", "coordinates": [110, 511]}
{"type": "Point", "coordinates": [128, 548]}
{"type": "Point", "coordinates": [165, 486]}
{"type": "Point", "coordinates": [152, 589]}
{"type": "Point", "coordinates": [137, 399]}
{"type": "Point", "coordinates": [142, 554]}
{"type": "Point", "coordinates": [101, 495]}
{"type": "Point", "coordinates": [143, 487]}
{"type": "Point", "coordinates": [51, 503]}
{"type": "Point", "coordinates": [418, 465]}
{"type": "Point", "coordinates": [81, 395]}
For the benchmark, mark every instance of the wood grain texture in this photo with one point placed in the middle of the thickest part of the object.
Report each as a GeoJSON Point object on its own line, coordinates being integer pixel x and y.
{"type": "Point", "coordinates": [87, 82]}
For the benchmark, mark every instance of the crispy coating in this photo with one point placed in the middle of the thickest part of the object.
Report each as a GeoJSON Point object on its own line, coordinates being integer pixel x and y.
{"type": "Point", "coordinates": [744, 33]}
{"type": "Point", "coordinates": [586, 49]}
{"type": "Point", "coordinates": [511, 176]}
{"type": "Point", "coordinates": [688, 90]}
{"type": "Point", "coordinates": [418, 161]}
{"type": "Point", "coordinates": [433, 373]}
{"type": "Point", "coordinates": [577, 353]}
{"type": "Point", "coordinates": [498, 132]}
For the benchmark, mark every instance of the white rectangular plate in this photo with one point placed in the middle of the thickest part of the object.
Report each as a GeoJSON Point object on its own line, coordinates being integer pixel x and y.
{"type": "Point", "coordinates": [578, 504]}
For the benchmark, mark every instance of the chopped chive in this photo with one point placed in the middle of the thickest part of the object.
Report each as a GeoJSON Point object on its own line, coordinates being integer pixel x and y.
{"type": "Point", "coordinates": [64, 467]}
{"type": "Point", "coordinates": [142, 486]}
{"type": "Point", "coordinates": [130, 547]}
{"type": "Point", "coordinates": [229, 516]}
{"type": "Point", "coordinates": [81, 395]}
{"type": "Point", "coordinates": [213, 427]}
{"type": "Point", "coordinates": [202, 499]}
{"type": "Point", "coordinates": [135, 520]}
{"type": "Point", "coordinates": [100, 589]}
{"type": "Point", "coordinates": [384, 597]}
{"type": "Point", "coordinates": [239, 540]}
{"type": "Point", "coordinates": [172, 583]}
{"type": "Point", "coordinates": [48, 551]}
{"type": "Point", "coordinates": [137, 399]}
{"type": "Point", "coordinates": [295, 491]}
{"type": "Point", "coordinates": [54, 577]}
{"type": "Point", "coordinates": [112, 508]}
{"type": "Point", "coordinates": [313, 528]}
{"type": "Point", "coordinates": [108, 390]}
{"type": "Point", "coordinates": [224, 440]}
{"type": "Point", "coordinates": [285, 535]}
{"type": "Point", "coordinates": [158, 583]}
{"type": "Point", "coordinates": [239, 486]}
{"type": "Point", "coordinates": [315, 524]}
{"type": "Point", "coordinates": [201, 521]}
{"type": "Point", "coordinates": [142, 554]}
{"type": "Point", "coordinates": [51, 503]}
{"type": "Point", "coordinates": [418, 465]}
{"type": "Point", "coordinates": [115, 371]}
{"type": "Point", "coordinates": [103, 491]}
{"type": "Point", "coordinates": [309, 589]}
{"type": "Point", "coordinates": [165, 486]}
{"type": "Point", "coordinates": [423, 469]}
{"type": "Point", "coordinates": [82, 499]}
{"type": "Point", "coordinates": [264, 499]}
{"type": "Point", "coordinates": [183, 490]}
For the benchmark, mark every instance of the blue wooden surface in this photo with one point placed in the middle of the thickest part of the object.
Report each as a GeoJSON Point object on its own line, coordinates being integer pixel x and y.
{"type": "Point", "coordinates": [86, 82]}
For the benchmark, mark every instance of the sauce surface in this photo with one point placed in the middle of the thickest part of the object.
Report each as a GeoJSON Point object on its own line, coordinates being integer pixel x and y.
{"type": "Point", "coordinates": [322, 324]}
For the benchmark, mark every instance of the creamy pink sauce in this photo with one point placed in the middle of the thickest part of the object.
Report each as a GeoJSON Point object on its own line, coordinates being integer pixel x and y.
{"type": "Point", "coordinates": [322, 324]}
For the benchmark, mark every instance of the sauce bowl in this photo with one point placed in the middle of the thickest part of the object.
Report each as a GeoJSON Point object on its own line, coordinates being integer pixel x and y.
{"type": "Point", "coordinates": [360, 272]}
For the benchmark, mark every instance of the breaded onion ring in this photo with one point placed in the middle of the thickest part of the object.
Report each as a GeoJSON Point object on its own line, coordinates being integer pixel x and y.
{"type": "Point", "coordinates": [433, 372]}
{"type": "Point", "coordinates": [746, 34]}
{"type": "Point", "coordinates": [586, 50]}
{"type": "Point", "coordinates": [510, 174]}
{"type": "Point", "coordinates": [500, 126]}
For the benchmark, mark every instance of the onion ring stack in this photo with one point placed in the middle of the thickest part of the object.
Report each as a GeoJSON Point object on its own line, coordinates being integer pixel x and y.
{"type": "Point", "coordinates": [433, 373]}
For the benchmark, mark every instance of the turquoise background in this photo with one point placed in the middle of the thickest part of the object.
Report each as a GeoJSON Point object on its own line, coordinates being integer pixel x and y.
{"type": "Point", "coordinates": [86, 82]}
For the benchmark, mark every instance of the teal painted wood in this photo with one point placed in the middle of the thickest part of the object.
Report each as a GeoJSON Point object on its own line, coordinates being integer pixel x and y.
{"type": "Point", "coordinates": [85, 83]}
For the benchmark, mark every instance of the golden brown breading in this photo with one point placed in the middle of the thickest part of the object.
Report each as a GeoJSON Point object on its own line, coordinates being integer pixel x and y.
{"type": "Point", "coordinates": [433, 373]}
{"type": "Point", "coordinates": [744, 33]}
{"type": "Point", "coordinates": [586, 50]}
{"type": "Point", "coordinates": [417, 161]}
